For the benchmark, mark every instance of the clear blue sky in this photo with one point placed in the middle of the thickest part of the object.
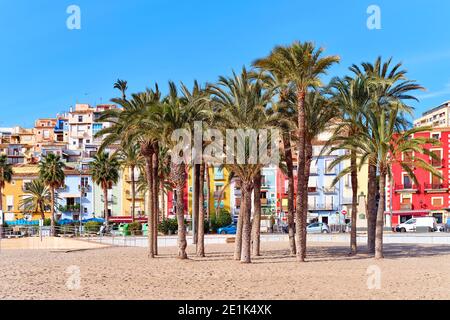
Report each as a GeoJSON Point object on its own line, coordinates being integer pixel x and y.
{"type": "Point", "coordinates": [46, 68]}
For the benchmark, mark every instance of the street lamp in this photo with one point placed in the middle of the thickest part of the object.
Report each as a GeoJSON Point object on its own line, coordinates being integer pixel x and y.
{"type": "Point", "coordinates": [80, 170]}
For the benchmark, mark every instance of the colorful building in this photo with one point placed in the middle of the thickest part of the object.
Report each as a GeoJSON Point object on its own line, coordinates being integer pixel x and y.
{"type": "Point", "coordinates": [430, 195]}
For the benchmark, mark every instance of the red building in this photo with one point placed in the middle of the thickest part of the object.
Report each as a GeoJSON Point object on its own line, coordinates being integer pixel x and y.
{"type": "Point", "coordinates": [172, 204]}
{"type": "Point", "coordinates": [430, 196]}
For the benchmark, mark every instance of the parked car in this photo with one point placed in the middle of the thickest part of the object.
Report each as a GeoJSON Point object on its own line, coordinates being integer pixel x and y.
{"type": "Point", "coordinates": [318, 227]}
{"type": "Point", "coordinates": [231, 229]}
{"type": "Point", "coordinates": [412, 224]}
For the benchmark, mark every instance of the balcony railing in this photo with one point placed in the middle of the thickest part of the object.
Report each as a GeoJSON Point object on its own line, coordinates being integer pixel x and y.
{"type": "Point", "coordinates": [138, 195]}
{"type": "Point", "coordinates": [111, 199]}
{"type": "Point", "coordinates": [406, 187]}
{"type": "Point", "coordinates": [322, 206]}
{"type": "Point", "coordinates": [84, 188]}
{"type": "Point", "coordinates": [70, 208]}
{"type": "Point", "coordinates": [312, 190]}
{"type": "Point", "coordinates": [329, 190]}
{"type": "Point", "coordinates": [430, 187]}
{"type": "Point", "coordinates": [218, 194]}
{"type": "Point", "coordinates": [406, 206]}
{"type": "Point", "coordinates": [437, 163]}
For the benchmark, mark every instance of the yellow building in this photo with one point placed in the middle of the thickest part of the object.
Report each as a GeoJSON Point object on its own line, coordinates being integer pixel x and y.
{"type": "Point", "coordinates": [127, 195]}
{"type": "Point", "coordinates": [220, 194]}
{"type": "Point", "coordinates": [14, 192]}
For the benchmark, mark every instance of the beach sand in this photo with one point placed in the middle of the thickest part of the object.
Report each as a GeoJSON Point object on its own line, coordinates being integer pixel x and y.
{"type": "Point", "coordinates": [408, 272]}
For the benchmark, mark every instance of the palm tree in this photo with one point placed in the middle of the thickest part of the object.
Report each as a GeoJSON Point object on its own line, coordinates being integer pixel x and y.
{"type": "Point", "coordinates": [256, 227]}
{"type": "Point", "coordinates": [239, 102]}
{"type": "Point", "coordinates": [105, 172]}
{"type": "Point", "coordinates": [6, 174]}
{"type": "Point", "coordinates": [176, 113]}
{"type": "Point", "coordinates": [302, 64]}
{"type": "Point", "coordinates": [385, 143]}
{"type": "Point", "coordinates": [37, 198]}
{"type": "Point", "coordinates": [122, 86]}
{"type": "Point", "coordinates": [131, 158]}
{"type": "Point", "coordinates": [51, 173]}
{"type": "Point", "coordinates": [351, 97]}
{"type": "Point", "coordinates": [134, 124]}
{"type": "Point", "coordinates": [386, 84]}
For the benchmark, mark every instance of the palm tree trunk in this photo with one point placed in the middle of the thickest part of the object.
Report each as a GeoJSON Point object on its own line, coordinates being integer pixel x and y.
{"type": "Point", "coordinates": [163, 198]}
{"type": "Point", "coordinates": [208, 193]}
{"type": "Point", "coordinates": [201, 216]}
{"type": "Point", "coordinates": [308, 160]}
{"type": "Point", "coordinates": [291, 191]}
{"type": "Point", "coordinates": [238, 245]}
{"type": "Point", "coordinates": [354, 177]}
{"type": "Point", "coordinates": [380, 218]}
{"type": "Point", "coordinates": [371, 207]}
{"type": "Point", "coordinates": [180, 181]}
{"type": "Point", "coordinates": [105, 203]}
{"type": "Point", "coordinates": [155, 164]}
{"type": "Point", "coordinates": [195, 202]}
{"type": "Point", "coordinates": [246, 224]}
{"type": "Point", "coordinates": [149, 176]}
{"type": "Point", "coordinates": [256, 228]}
{"type": "Point", "coordinates": [133, 194]}
{"type": "Point", "coordinates": [52, 212]}
{"type": "Point", "coordinates": [301, 146]}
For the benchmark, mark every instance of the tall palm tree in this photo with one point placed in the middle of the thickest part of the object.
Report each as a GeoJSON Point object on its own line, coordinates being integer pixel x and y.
{"type": "Point", "coordinates": [351, 96]}
{"type": "Point", "coordinates": [131, 159]}
{"type": "Point", "coordinates": [37, 198]}
{"type": "Point", "coordinates": [177, 113]}
{"type": "Point", "coordinates": [51, 173]}
{"type": "Point", "coordinates": [385, 143]}
{"type": "Point", "coordinates": [387, 83]}
{"type": "Point", "coordinates": [302, 64]}
{"type": "Point", "coordinates": [105, 173]}
{"type": "Point", "coordinates": [122, 86]}
{"type": "Point", "coordinates": [240, 102]}
{"type": "Point", "coordinates": [6, 175]}
{"type": "Point", "coordinates": [134, 124]}
{"type": "Point", "coordinates": [256, 227]}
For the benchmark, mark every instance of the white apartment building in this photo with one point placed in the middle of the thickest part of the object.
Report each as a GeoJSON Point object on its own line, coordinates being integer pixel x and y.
{"type": "Point", "coordinates": [436, 117]}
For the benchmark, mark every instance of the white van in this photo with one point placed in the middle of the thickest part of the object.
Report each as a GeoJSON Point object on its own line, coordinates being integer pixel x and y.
{"type": "Point", "coordinates": [413, 223]}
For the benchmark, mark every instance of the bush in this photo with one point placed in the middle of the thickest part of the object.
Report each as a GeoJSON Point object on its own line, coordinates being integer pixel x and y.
{"type": "Point", "coordinates": [92, 226]}
{"type": "Point", "coordinates": [168, 225]}
{"type": "Point", "coordinates": [135, 228]}
{"type": "Point", "coordinates": [222, 220]}
{"type": "Point", "coordinates": [47, 222]}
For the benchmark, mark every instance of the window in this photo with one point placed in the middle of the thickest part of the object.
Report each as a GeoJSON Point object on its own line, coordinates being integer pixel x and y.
{"type": "Point", "coordinates": [436, 136]}
{"type": "Point", "coordinates": [408, 157]}
{"type": "Point", "coordinates": [438, 161]}
{"type": "Point", "coordinates": [80, 118]}
{"type": "Point", "coordinates": [437, 202]}
{"type": "Point", "coordinates": [407, 182]}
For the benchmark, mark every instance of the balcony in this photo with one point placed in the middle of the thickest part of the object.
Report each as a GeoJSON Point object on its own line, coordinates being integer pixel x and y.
{"type": "Point", "coordinates": [75, 208]}
{"type": "Point", "coordinates": [406, 206]}
{"type": "Point", "coordinates": [218, 194]}
{"type": "Point", "coordinates": [410, 188]}
{"type": "Point", "coordinates": [138, 195]}
{"type": "Point", "coordinates": [238, 203]}
{"type": "Point", "coordinates": [436, 187]}
{"type": "Point", "coordinates": [111, 199]}
{"type": "Point", "coordinates": [329, 190]}
{"type": "Point", "coordinates": [322, 207]}
{"type": "Point", "coordinates": [264, 201]}
{"type": "Point", "coordinates": [237, 192]}
{"type": "Point", "coordinates": [84, 188]}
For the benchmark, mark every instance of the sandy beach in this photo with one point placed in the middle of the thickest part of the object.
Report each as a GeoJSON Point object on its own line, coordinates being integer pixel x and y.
{"type": "Point", "coordinates": [408, 272]}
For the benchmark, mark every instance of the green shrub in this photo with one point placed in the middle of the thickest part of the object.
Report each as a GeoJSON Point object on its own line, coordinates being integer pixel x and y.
{"type": "Point", "coordinates": [223, 219]}
{"type": "Point", "coordinates": [47, 222]}
{"type": "Point", "coordinates": [168, 225]}
{"type": "Point", "coordinates": [135, 228]}
{"type": "Point", "coordinates": [92, 226]}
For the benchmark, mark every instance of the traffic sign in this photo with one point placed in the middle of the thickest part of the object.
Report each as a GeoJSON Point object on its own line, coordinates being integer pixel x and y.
{"type": "Point", "coordinates": [344, 212]}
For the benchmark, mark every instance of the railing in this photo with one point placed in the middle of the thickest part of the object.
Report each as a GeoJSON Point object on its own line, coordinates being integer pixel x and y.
{"type": "Point", "coordinates": [84, 188]}
{"type": "Point", "coordinates": [70, 208]}
{"type": "Point", "coordinates": [437, 163]}
{"type": "Point", "coordinates": [406, 206]}
{"type": "Point", "coordinates": [218, 194]}
{"type": "Point", "coordinates": [321, 206]}
{"type": "Point", "coordinates": [329, 189]}
{"type": "Point", "coordinates": [436, 186]}
{"type": "Point", "coordinates": [137, 195]}
{"type": "Point", "coordinates": [312, 190]}
{"type": "Point", "coordinates": [401, 187]}
{"type": "Point", "coordinates": [111, 198]}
